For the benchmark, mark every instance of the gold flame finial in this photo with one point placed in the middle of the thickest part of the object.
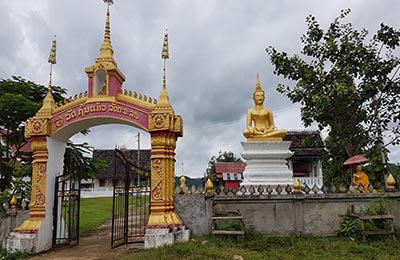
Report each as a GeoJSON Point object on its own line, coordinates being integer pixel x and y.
{"type": "Point", "coordinates": [182, 180]}
{"type": "Point", "coordinates": [390, 182]}
{"type": "Point", "coordinates": [13, 202]}
{"type": "Point", "coordinates": [258, 85]}
{"type": "Point", "coordinates": [209, 186]}
{"type": "Point", "coordinates": [296, 186]}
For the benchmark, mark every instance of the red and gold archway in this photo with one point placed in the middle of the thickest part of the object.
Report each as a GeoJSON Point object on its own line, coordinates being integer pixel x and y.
{"type": "Point", "coordinates": [104, 102]}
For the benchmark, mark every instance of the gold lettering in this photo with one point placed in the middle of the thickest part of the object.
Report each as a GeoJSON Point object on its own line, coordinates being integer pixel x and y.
{"type": "Point", "coordinates": [68, 115]}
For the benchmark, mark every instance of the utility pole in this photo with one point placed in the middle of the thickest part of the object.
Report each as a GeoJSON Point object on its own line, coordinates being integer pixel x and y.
{"type": "Point", "coordinates": [138, 157]}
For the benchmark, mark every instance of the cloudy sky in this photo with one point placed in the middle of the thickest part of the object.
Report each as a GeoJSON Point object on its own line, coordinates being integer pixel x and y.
{"type": "Point", "coordinates": [216, 49]}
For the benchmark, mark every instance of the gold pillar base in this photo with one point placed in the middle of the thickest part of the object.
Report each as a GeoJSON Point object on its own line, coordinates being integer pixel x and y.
{"type": "Point", "coordinates": [164, 220]}
{"type": "Point", "coordinates": [31, 225]}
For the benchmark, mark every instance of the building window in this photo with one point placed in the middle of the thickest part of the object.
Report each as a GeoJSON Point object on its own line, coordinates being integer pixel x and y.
{"type": "Point", "coordinates": [102, 182]}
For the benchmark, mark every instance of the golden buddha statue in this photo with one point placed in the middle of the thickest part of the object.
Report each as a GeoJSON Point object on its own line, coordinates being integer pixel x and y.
{"type": "Point", "coordinates": [260, 120]}
{"type": "Point", "coordinates": [360, 178]}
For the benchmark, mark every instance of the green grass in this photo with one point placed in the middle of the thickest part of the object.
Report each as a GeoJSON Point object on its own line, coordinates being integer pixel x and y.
{"type": "Point", "coordinates": [94, 212]}
{"type": "Point", "coordinates": [256, 246]}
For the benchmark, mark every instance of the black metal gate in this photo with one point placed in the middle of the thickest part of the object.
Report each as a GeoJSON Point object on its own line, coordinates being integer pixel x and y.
{"type": "Point", "coordinates": [131, 201]}
{"type": "Point", "coordinates": [66, 208]}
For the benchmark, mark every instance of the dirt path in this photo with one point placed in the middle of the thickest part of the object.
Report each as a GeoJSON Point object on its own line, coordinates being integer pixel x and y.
{"type": "Point", "coordinates": [96, 246]}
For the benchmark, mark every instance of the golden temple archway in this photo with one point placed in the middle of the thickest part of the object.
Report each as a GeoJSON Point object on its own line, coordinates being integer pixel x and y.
{"type": "Point", "coordinates": [104, 102]}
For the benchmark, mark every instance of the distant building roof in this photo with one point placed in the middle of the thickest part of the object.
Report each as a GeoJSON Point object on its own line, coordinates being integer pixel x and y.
{"type": "Point", "coordinates": [24, 150]}
{"type": "Point", "coordinates": [132, 155]}
{"type": "Point", "coordinates": [306, 143]}
{"type": "Point", "coordinates": [229, 167]}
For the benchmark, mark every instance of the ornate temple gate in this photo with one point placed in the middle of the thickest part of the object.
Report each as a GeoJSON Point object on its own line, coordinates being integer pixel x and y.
{"type": "Point", "coordinates": [66, 207]}
{"type": "Point", "coordinates": [104, 102]}
{"type": "Point", "coordinates": [131, 201]}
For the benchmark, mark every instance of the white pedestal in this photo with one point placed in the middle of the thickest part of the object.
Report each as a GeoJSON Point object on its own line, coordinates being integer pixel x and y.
{"type": "Point", "coordinates": [266, 163]}
{"type": "Point", "coordinates": [157, 237]}
{"type": "Point", "coordinates": [17, 242]}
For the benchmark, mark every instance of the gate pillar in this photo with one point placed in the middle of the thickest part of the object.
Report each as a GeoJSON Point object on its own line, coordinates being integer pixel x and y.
{"type": "Point", "coordinates": [26, 237]}
{"type": "Point", "coordinates": [38, 193]}
{"type": "Point", "coordinates": [165, 128]}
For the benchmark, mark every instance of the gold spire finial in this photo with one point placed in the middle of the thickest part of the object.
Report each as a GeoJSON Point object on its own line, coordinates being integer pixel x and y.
{"type": "Point", "coordinates": [106, 49]}
{"type": "Point", "coordinates": [165, 56]}
{"type": "Point", "coordinates": [164, 99]}
{"type": "Point", "coordinates": [48, 101]}
{"type": "Point", "coordinates": [52, 60]}
{"type": "Point", "coordinates": [165, 53]}
{"type": "Point", "coordinates": [52, 55]}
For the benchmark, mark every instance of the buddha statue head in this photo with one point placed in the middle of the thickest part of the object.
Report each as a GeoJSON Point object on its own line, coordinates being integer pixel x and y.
{"type": "Point", "coordinates": [259, 94]}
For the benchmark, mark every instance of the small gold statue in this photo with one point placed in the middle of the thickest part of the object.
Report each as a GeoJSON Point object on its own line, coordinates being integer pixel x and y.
{"type": "Point", "coordinates": [360, 178]}
{"type": "Point", "coordinates": [263, 119]}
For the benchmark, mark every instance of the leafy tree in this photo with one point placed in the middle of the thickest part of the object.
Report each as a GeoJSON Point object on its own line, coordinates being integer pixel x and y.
{"type": "Point", "coordinates": [348, 84]}
{"type": "Point", "coordinates": [19, 100]}
{"type": "Point", "coordinates": [226, 156]}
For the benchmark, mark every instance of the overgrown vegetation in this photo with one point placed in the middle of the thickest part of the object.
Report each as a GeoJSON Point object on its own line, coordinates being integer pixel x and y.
{"type": "Point", "coordinates": [12, 256]}
{"type": "Point", "coordinates": [260, 247]}
{"type": "Point", "coordinates": [351, 226]}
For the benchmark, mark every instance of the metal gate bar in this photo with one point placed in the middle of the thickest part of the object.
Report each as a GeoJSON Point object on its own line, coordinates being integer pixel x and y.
{"type": "Point", "coordinates": [131, 201]}
{"type": "Point", "coordinates": [66, 209]}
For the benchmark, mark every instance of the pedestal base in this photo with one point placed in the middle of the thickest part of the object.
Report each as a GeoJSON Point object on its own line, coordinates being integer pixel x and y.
{"type": "Point", "coordinates": [165, 236]}
{"type": "Point", "coordinates": [18, 242]}
{"type": "Point", "coordinates": [266, 163]}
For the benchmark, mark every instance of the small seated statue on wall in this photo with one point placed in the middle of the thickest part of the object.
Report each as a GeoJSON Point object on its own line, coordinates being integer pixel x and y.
{"type": "Point", "coordinates": [360, 178]}
{"type": "Point", "coordinates": [260, 120]}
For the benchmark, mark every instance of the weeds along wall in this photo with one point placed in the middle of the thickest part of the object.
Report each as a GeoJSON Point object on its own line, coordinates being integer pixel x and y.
{"type": "Point", "coordinates": [314, 214]}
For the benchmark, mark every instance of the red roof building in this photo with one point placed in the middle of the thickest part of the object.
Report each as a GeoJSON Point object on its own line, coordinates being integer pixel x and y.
{"type": "Point", "coordinates": [229, 174]}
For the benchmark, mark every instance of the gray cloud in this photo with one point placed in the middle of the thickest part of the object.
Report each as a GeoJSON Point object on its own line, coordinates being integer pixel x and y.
{"type": "Point", "coordinates": [216, 49]}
